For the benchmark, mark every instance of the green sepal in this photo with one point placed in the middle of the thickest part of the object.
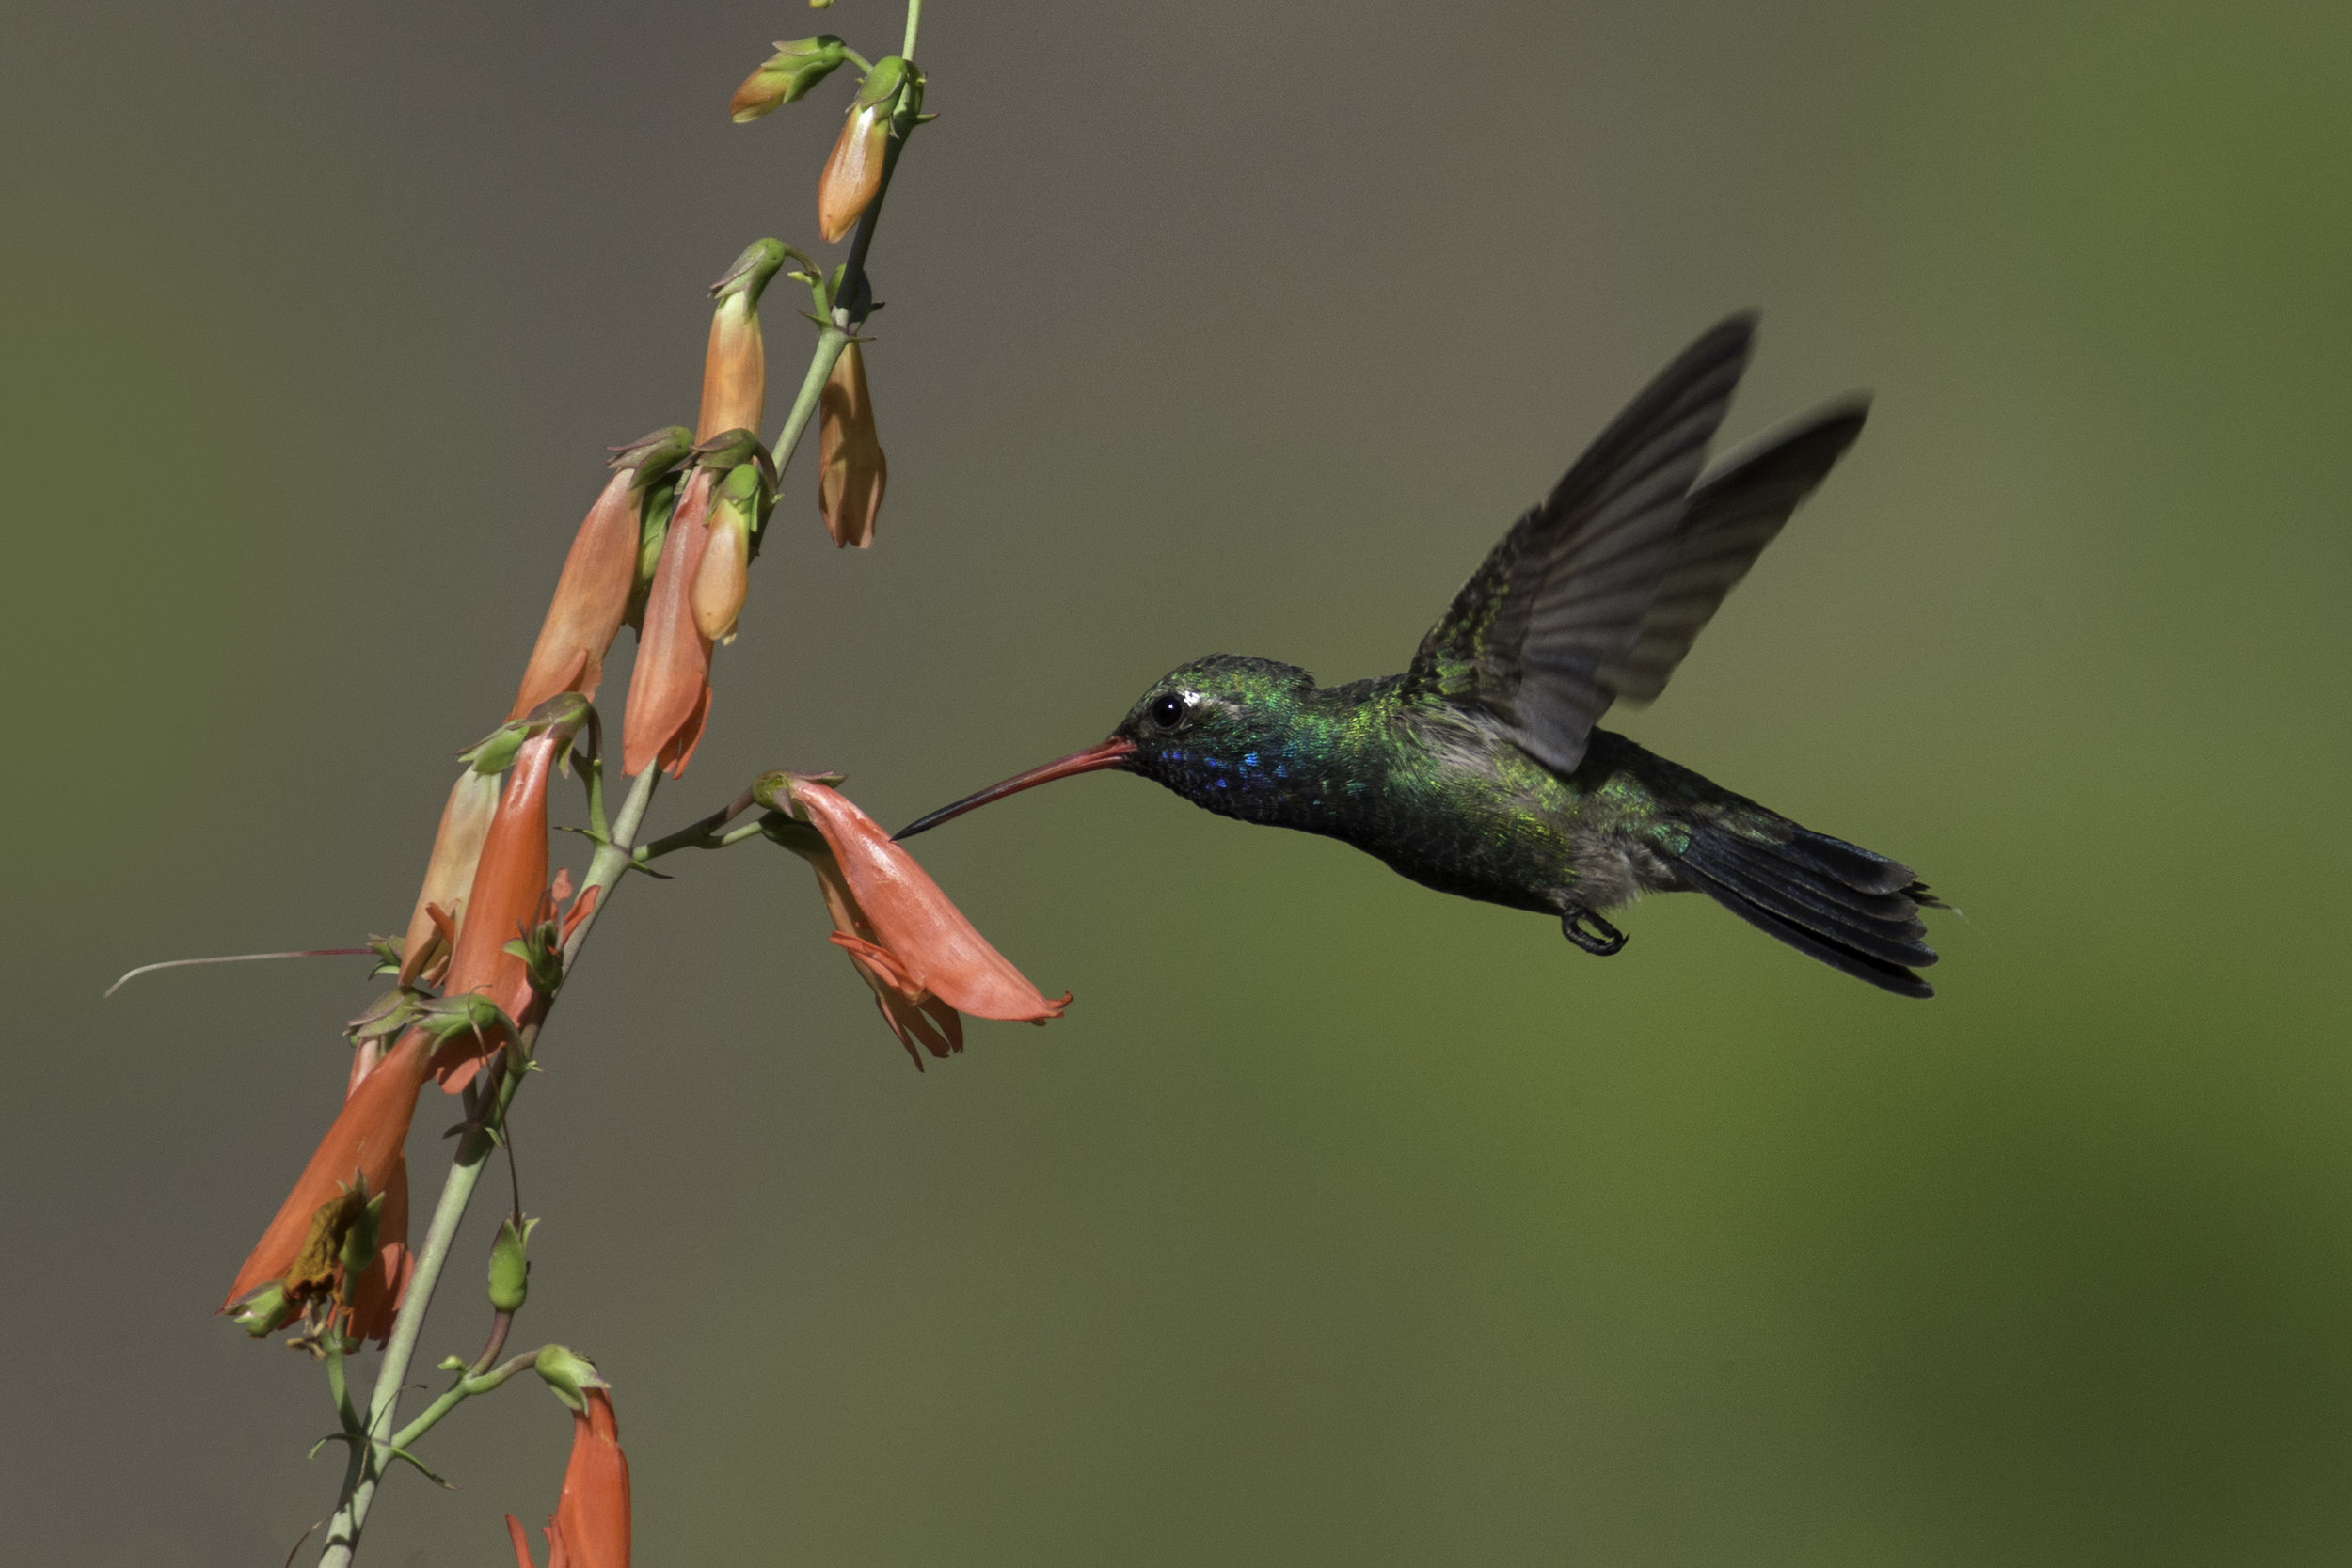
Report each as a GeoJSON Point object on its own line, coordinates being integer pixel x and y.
{"type": "Point", "coordinates": [568, 1376]}
{"type": "Point", "coordinates": [446, 1017]}
{"type": "Point", "coordinates": [722, 451]}
{"type": "Point", "coordinates": [542, 953]}
{"type": "Point", "coordinates": [495, 753]}
{"type": "Point", "coordinates": [786, 76]}
{"type": "Point", "coordinates": [749, 276]}
{"type": "Point", "coordinates": [653, 532]}
{"type": "Point", "coordinates": [774, 789]}
{"type": "Point", "coordinates": [654, 453]}
{"type": "Point", "coordinates": [740, 494]}
{"type": "Point", "coordinates": [264, 1313]}
{"type": "Point", "coordinates": [883, 83]}
{"type": "Point", "coordinates": [358, 1250]}
{"type": "Point", "coordinates": [387, 1016]}
{"type": "Point", "coordinates": [909, 112]}
{"type": "Point", "coordinates": [746, 497]}
{"type": "Point", "coordinates": [565, 714]}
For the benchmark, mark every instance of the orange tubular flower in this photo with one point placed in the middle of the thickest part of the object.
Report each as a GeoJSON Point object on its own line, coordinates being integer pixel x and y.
{"type": "Point", "coordinates": [509, 887]}
{"type": "Point", "coordinates": [449, 875]}
{"type": "Point", "coordinates": [852, 470]}
{"type": "Point", "coordinates": [592, 595]}
{"type": "Point", "coordinates": [360, 1154]}
{"type": "Point", "coordinates": [735, 366]}
{"type": "Point", "coordinates": [669, 690]}
{"type": "Point", "coordinates": [590, 1528]}
{"type": "Point", "coordinates": [922, 957]}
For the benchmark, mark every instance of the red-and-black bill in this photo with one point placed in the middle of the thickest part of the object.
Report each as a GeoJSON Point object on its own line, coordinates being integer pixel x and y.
{"type": "Point", "coordinates": [1113, 753]}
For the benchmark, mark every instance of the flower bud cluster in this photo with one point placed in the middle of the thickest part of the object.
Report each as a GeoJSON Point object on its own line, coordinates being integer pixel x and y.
{"type": "Point", "coordinates": [665, 547]}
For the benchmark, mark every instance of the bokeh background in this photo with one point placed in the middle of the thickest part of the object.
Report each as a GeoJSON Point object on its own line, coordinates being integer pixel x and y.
{"type": "Point", "coordinates": [1339, 1222]}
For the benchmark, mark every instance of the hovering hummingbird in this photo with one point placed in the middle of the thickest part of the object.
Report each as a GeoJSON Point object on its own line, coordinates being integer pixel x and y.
{"type": "Point", "coordinates": [1478, 771]}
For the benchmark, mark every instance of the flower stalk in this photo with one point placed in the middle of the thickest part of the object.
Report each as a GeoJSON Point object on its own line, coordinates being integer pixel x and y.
{"type": "Point", "coordinates": [373, 1455]}
{"type": "Point", "coordinates": [575, 649]}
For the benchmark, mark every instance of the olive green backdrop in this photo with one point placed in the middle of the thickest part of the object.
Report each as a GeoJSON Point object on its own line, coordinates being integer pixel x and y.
{"type": "Point", "coordinates": [1339, 1222]}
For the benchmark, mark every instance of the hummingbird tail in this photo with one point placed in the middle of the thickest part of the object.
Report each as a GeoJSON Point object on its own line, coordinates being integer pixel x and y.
{"type": "Point", "coordinates": [1834, 901]}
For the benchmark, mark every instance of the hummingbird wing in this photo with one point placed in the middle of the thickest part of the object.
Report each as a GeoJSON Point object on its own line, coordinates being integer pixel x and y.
{"type": "Point", "coordinates": [1533, 636]}
{"type": "Point", "coordinates": [1738, 507]}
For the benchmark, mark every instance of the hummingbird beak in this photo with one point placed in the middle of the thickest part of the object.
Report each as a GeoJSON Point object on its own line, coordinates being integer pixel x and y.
{"type": "Point", "coordinates": [1113, 753]}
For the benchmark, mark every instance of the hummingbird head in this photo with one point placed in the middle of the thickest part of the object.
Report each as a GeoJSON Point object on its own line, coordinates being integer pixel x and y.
{"type": "Point", "coordinates": [1205, 727]}
{"type": "Point", "coordinates": [1200, 730]}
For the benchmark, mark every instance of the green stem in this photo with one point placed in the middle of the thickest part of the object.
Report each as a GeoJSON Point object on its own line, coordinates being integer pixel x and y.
{"type": "Point", "coordinates": [351, 1515]}
{"type": "Point", "coordinates": [592, 774]}
{"type": "Point", "coordinates": [613, 857]}
{"type": "Point", "coordinates": [836, 333]}
{"type": "Point", "coordinates": [340, 1385]}
{"type": "Point", "coordinates": [830, 342]}
{"type": "Point", "coordinates": [374, 1455]}
{"type": "Point", "coordinates": [459, 1393]}
{"type": "Point", "coordinates": [699, 835]}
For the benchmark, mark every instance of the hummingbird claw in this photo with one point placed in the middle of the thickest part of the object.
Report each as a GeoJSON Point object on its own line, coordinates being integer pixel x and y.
{"type": "Point", "coordinates": [1601, 942]}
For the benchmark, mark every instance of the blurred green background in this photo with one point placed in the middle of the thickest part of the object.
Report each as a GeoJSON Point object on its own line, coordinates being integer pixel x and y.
{"type": "Point", "coordinates": [1339, 1222]}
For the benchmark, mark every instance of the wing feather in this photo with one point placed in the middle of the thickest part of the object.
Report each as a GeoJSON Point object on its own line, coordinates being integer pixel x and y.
{"type": "Point", "coordinates": [1555, 611]}
{"type": "Point", "coordinates": [1737, 508]}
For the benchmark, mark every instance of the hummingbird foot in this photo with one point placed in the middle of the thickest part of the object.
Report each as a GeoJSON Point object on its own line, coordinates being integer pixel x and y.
{"type": "Point", "coordinates": [1601, 942]}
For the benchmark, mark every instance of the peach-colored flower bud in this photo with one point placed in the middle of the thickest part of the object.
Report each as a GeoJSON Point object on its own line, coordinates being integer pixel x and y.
{"type": "Point", "coordinates": [735, 366]}
{"type": "Point", "coordinates": [851, 471]}
{"type": "Point", "coordinates": [723, 580]}
{"type": "Point", "coordinates": [449, 875]}
{"type": "Point", "coordinates": [592, 595]}
{"type": "Point", "coordinates": [853, 174]}
{"type": "Point", "coordinates": [787, 76]}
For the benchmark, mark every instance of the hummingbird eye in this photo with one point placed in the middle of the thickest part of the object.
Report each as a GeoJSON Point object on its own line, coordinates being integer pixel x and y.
{"type": "Point", "coordinates": [1168, 711]}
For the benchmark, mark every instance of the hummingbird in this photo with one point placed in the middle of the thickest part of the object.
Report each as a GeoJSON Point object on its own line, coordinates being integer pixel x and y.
{"type": "Point", "coordinates": [1479, 771]}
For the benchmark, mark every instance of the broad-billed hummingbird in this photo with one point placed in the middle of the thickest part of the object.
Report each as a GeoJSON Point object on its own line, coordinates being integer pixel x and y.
{"type": "Point", "coordinates": [1478, 771]}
